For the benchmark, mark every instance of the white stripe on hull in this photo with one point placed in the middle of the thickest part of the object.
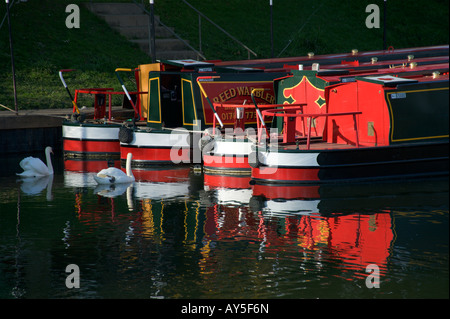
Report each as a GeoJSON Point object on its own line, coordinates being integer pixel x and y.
{"type": "Point", "coordinates": [154, 139]}
{"type": "Point", "coordinates": [232, 148]}
{"type": "Point", "coordinates": [91, 133]}
{"type": "Point", "coordinates": [280, 159]}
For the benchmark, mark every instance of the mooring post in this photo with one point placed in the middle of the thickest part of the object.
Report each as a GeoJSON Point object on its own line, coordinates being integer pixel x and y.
{"type": "Point", "coordinates": [384, 23]}
{"type": "Point", "coordinates": [152, 32]}
{"type": "Point", "coordinates": [271, 26]}
{"type": "Point", "coordinates": [12, 58]}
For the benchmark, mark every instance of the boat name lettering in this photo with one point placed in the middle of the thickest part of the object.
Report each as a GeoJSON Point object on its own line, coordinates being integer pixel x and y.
{"type": "Point", "coordinates": [243, 91]}
{"type": "Point", "coordinates": [249, 115]}
{"type": "Point", "coordinates": [401, 95]}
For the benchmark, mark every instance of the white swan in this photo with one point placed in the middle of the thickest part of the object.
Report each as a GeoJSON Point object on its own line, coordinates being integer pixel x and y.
{"type": "Point", "coordinates": [114, 175]}
{"type": "Point", "coordinates": [34, 167]}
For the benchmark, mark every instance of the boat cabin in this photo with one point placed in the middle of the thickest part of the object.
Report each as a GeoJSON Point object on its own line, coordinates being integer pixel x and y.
{"type": "Point", "coordinates": [176, 100]}
{"type": "Point", "coordinates": [393, 110]}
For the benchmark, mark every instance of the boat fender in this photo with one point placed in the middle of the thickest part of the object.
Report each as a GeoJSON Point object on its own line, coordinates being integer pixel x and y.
{"type": "Point", "coordinates": [253, 159]}
{"type": "Point", "coordinates": [125, 135]}
{"type": "Point", "coordinates": [77, 118]}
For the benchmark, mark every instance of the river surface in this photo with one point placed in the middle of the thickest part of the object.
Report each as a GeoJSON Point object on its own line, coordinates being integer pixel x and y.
{"type": "Point", "coordinates": [177, 233]}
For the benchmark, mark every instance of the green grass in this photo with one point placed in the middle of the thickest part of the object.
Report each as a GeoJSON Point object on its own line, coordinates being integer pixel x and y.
{"type": "Point", "coordinates": [43, 45]}
{"type": "Point", "coordinates": [324, 26]}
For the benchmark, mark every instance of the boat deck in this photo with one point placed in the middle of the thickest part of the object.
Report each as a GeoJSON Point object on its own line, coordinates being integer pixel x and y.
{"type": "Point", "coordinates": [316, 143]}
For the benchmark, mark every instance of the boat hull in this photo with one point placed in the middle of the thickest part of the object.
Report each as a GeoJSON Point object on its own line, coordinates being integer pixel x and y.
{"type": "Point", "coordinates": [157, 147]}
{"type": "Point", "coordinates": [226, 181]}
{"type": "Point", "coordinates": [228, 157]}
{"type": "Point", "coordinates": [82, 140]}
{"type": "Point", "coordinates": [352, 164]}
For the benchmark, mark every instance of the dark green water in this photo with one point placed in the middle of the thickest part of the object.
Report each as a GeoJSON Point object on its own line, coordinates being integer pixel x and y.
{"type": "Point", "coordinates": [173, 236]}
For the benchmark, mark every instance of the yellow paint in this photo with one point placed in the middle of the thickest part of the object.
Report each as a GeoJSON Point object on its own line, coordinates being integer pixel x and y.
{"type": "Point", "coordinates": [193, 101]}
{"type": "Point", "coordinates": [159, 98]}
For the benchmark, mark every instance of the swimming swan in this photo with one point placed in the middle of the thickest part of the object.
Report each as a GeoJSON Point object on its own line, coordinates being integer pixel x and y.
{"type": "Point", "coordinates": [34, 167]}
{"type": "Point", "coordinates": [112, 175]}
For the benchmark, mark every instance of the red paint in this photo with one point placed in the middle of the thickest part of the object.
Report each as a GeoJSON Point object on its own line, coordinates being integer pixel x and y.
{"type": "Point", "coordinates": [219, 181]}
{"type": "Point", "coordinates": [155, 154]}
{"type": "Point", "coordinates": [373, 123]}
{"type": "Point", "coordinates": [235, 92]}
{"type": "Point", "coordinates": [217, 162]}
{"type": "Point", "coordinates": [286, 174]}
{"type": "Point", "coordinates": [91, 146]}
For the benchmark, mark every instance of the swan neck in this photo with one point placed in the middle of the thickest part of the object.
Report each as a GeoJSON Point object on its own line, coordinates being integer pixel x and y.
{"type": "Point", "coordinates": [128, 167]}
{"type": "Point", "coordinates": [49, 161]}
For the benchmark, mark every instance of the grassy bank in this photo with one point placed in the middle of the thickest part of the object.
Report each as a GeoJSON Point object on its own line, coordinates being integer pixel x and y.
{"type": "Point", "coordinates": [325, 26]}
{"type": "Point", "coordinates": [43, 44]}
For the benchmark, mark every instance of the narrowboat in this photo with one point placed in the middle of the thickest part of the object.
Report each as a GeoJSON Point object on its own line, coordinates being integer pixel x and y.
{"type": "Point", "coordinates": [303, 88]}
{"type": "Point", "coordinates": [179, 110]}
{"type": "Point", "coordinates": [96, 136]}
{"type": "Point", "coordinates": [376, 127]}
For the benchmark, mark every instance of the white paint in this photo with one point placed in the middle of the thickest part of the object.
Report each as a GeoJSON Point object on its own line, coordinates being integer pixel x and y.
{"type": "Point", "coordinates": [91, 133]}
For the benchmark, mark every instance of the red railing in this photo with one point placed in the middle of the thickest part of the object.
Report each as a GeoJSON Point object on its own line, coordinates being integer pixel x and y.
{"type": "Point", "coordinates": [241, 123]}
{"type": "Point", "coordinates": [99, 112]}
{"type": "Point", "coordinates": [99, 108]}
{"type": "Point", "coordinates": [289, 129]}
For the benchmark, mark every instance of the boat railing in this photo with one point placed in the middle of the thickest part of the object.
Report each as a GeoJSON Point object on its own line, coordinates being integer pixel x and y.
{"type": "Point", "coordinates": [99, 105]}
{"type": "Point", "coordinates": [100, 95]}
{"type": "Point", "coordinates": [289, 129]}
{"type": "Point", "coordinates": [260, 122]}
{"type": "Point", "coordinates": [240, 120]}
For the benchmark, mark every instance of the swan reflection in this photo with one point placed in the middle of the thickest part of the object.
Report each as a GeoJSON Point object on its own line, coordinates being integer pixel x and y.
{"type": "Point", "coordinates": [112, 190]}
{"type": "Point", "coordinates": [115, 190]}
{"type": "Point", "coordinates": [35, 185]}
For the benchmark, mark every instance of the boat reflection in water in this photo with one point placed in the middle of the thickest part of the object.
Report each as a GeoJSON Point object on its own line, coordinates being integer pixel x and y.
{"type": "Point", "coordinates": [353, 225]}
{"type": "Point", "coordinates": [222, 224]}
{"type": "Point", "coordinates": [156, 183]}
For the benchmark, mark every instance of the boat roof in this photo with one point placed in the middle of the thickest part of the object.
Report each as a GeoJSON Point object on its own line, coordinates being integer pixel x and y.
{"type": "Point", "coordinates": [405, 70]}
{"type": "Point", "coordinates": [337, 58]}
{"type": "Point", "coordinates": [394, 81]}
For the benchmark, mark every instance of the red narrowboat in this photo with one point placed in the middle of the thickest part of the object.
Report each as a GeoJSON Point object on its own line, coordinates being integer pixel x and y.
{"type": "Point", "coordinates": [377, 127]}
{"type": "Point", "coordinates": [228, 153]}
{"type": "Point", "coordinates": [96, 136]}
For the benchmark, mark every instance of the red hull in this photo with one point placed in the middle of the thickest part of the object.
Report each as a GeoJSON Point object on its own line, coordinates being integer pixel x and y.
{"type": "Point", "coordinates": [230, 164]}
{"type": "Point", "coordinates": [218, 181]}
{"type": "Point", "coordinates": [91, 147]}
{"type": "Point", "coordinates": [155, 155]}
{"type": "Point", "coordinates": [290, 175]}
